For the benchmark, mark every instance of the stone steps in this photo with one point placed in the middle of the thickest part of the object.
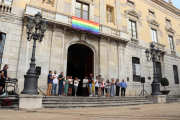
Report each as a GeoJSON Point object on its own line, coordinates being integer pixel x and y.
{"type": "Point", "coordinates": [92, 105]}
{"type": "Point", "coordinates": [170, 99]}
{"type": "Point", "coordinates": [63, 103]}
{"type": "Point", "coordinates": [91, 102]}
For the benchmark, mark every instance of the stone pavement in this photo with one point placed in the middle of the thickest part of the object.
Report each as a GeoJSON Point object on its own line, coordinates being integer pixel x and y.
{"type": "Point", "coordinates": [141, 112]}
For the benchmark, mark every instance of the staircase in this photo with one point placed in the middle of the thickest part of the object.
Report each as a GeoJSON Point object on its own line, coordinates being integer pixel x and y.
{"type": "Point", "coordinates": [91, 102]}
{"type": "Point", "coordinates": [170, 99]}
{"type": "Point", "coordinates": [14, 99]}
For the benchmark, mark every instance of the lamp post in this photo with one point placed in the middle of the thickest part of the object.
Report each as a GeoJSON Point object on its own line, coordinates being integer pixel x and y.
{"type": "Point", "coordinates": [155, 57]}
{"type": "Point", "coordinates": [31, 78]}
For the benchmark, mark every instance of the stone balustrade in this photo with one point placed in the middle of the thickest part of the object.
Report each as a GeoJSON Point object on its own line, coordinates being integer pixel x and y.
{"type": "Point", "coordinates": [48, 14]}
{"type": "Point", "coordinates": [66, 20]}
{"type": "Point", "coordinates": [5, 8]}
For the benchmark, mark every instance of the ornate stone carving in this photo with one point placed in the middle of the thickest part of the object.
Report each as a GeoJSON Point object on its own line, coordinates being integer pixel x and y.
{"type": "Point", "coordinates": [109, 16]}
{"type": "Point", "coordinates": [83, 36]}
{"type": "Point", "coordinates": [177, 41]}
{"type": "Point", "coordinates": [49, 2]}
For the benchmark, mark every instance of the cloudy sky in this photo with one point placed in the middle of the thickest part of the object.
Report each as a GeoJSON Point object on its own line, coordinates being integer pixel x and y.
{"type": "Point", "coordinates": [175, 3]}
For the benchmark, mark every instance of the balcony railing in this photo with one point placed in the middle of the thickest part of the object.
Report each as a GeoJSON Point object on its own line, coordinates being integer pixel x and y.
{"type": "Point", "coordinates": [5, 8]}
{"type": "Point", "coordinates": [66, 20]}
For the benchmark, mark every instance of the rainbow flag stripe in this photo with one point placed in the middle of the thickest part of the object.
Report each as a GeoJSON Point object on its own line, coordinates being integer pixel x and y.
{"type": "Point", "coordinates": [81, 24]}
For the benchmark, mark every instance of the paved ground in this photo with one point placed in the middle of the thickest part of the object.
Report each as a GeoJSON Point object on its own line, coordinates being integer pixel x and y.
{"type": "Point", "coordinates": [142, 112]}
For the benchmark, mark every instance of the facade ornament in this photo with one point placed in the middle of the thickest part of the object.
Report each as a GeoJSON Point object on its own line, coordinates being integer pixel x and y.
{"type": "Point", "coordinates": [177, 41]}
{"type": "Point", "coordinates": [170, 2]}
{"type": "Point", "coordinates": [83, 36]}
{"type": "Point", "coordinates": [49, 2]}
{"type": "Point", "coordinates": [109, 16]}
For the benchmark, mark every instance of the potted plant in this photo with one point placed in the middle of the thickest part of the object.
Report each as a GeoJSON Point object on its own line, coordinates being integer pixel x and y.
{"type": "Point", "coordinates": [165, 82]}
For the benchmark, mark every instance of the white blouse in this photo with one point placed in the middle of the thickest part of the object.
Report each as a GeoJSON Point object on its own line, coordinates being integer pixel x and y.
{"type": "Point", "coordinates": [75, 83]}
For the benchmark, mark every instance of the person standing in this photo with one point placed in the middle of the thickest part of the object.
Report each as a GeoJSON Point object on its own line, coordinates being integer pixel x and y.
{"type": "Point", "coordinates": [70, 86]}
{"type": "Point", "coordinates": [96, 86]}
{"type": "Point", "coordinates": [107, 88]}
{"type": "Point", "coordinates": [61, 79]}
{"type": "Point", "coordinates": [102, 86]}
{"type": "Point", "coordinates": [66, 87]}
{"type": "Point", "coordinates": [112, 87]}
{"type": "Point", "coordinates": [76, 82]}
{"type": "Point", "coordinates": [4, 76]}
{"type": "Point", "coordinates": [117, 87]}
{"type": "Point", "coordinates": [85, 82]}
{"type": "Point", "coordinates": [50, 82]}
{"type": "Point", "coordinates": [90, 80]}
{"type": "Point", "coordinates": [123, 87]}
{"type": "Point", "coordinates": [55, 80]}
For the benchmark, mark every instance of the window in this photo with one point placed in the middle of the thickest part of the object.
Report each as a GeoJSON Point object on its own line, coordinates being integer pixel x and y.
{"type": "Point", "coordinates": [8, 2]}
{"type": "Point", "coordinates": [82, 10]}
{"type": "Point", "coordinates": [136, 69]}
{"type": "Point", "coordinates": [176, 77]}
{"type": "Point", "coordinates": [158, 71]}
{"type": "Point", "coordinates": [2, 42]}
{"type": "Point", "coordinates": [154, 35]}
{"type": "Point", "coordinates": [171, 43]}
{"type": "Point", "coordinates": [132, 29]}
{"type": "Point", "coordinates": [151, 13]}
{"type": "Point", "coordinates": [130, 2]}
{"type": "Point", "coordinates": [168, 21]}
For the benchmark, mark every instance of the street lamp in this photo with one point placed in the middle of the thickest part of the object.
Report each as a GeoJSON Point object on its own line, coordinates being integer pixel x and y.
{"type": "Point", "coordinates": [155, 57]}
{"type": "Point", "coordinates": [31, 78]}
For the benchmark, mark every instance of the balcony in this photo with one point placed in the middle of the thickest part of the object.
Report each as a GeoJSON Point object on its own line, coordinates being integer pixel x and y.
{"type": "Point", "coordinates": [65, 20]}
{"type": "Point", "coordinates": [5, 8]}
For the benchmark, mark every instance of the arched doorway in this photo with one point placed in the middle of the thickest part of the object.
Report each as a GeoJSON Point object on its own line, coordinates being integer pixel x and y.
{"type": "Point", "coordinates": [80, 62]}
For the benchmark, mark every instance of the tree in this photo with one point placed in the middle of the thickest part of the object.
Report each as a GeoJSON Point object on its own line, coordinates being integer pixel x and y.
{"type": "Point", "coordinates": [164, 82]}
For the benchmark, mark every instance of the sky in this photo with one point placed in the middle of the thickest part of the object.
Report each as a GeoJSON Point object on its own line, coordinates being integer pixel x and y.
{"type": "Point", "coordinates": [176, 3]}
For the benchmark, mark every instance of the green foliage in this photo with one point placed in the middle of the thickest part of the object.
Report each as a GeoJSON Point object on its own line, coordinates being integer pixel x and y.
{"type": "Point", "coordinates": [164, 82]}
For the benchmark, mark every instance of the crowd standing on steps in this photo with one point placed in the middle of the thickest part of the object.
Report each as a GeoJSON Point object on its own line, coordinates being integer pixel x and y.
{"type": "Point", "coordinates": [67, 86]}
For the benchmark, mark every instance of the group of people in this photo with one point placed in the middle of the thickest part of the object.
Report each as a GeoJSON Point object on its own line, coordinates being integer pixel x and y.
{"type": "Point", "coordinates": [67, 84]}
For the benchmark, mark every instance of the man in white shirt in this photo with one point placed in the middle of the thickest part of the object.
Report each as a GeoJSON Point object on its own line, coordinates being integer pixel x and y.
{"type": "Point", "coordinates": [55, 81]}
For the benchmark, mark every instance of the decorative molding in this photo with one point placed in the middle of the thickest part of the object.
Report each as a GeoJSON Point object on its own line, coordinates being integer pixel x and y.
{"type": "Point", "coordinates": [170, 30]}
{"type": "Point", "coordinates": [83, 36]}
{"type": "Point", "coordinates": [132, 13]}
{"type": "Point", "coordinates": [162, 8]}
{"type": "Point", "coordinates": [153, 22]}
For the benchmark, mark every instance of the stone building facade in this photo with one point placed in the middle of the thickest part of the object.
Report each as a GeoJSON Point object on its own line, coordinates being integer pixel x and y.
{"type": "Point", "coordinates": [127, 28]}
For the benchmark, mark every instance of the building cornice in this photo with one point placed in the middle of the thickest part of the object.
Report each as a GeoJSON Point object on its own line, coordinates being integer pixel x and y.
{"type": "Point", "coordinates": [167, 6]}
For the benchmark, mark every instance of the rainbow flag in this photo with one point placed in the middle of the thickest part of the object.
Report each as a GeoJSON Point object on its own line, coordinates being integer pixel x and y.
{"type": "Point", "coordinates": [81, 24]}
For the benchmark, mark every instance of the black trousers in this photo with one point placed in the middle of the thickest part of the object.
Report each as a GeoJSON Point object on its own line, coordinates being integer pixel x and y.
{"type": "Point", "coordinates": [103, 91]}
{"type": "Point", "coordinates": [117, 90]}
{"type": "Point", "coordinates": [96, 90]}
{"type": "Point", "coordinates": [123, 90]}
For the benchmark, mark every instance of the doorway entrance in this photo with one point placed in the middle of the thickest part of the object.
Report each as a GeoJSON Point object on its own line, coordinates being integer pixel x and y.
{"type": "Point", "coordinates": [80, 63]}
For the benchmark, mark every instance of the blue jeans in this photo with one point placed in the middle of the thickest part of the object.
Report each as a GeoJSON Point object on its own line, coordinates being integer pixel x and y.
{"type": "Point", "coordinates": [90, 88]}
{"type": "Point", "coordinates": [54, 87]}
{"type": "Point", "coordinates": [60, 89]}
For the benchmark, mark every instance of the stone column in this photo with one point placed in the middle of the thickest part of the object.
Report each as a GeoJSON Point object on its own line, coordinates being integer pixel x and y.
{"type": "Point", "coordinates": [118, 12]}
{"type": "Point", "coordinates": [121, 56]}
{"type": "Point", "coordinates": [102, 12]}
{"type": "Point", "coordinates": [103, 58]}
{"type": "Point", "coordinates": [56, 59]}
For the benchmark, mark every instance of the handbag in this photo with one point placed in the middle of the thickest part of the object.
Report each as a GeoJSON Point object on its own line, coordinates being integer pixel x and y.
{"type": "Point", "coordinates": [6, 102]}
